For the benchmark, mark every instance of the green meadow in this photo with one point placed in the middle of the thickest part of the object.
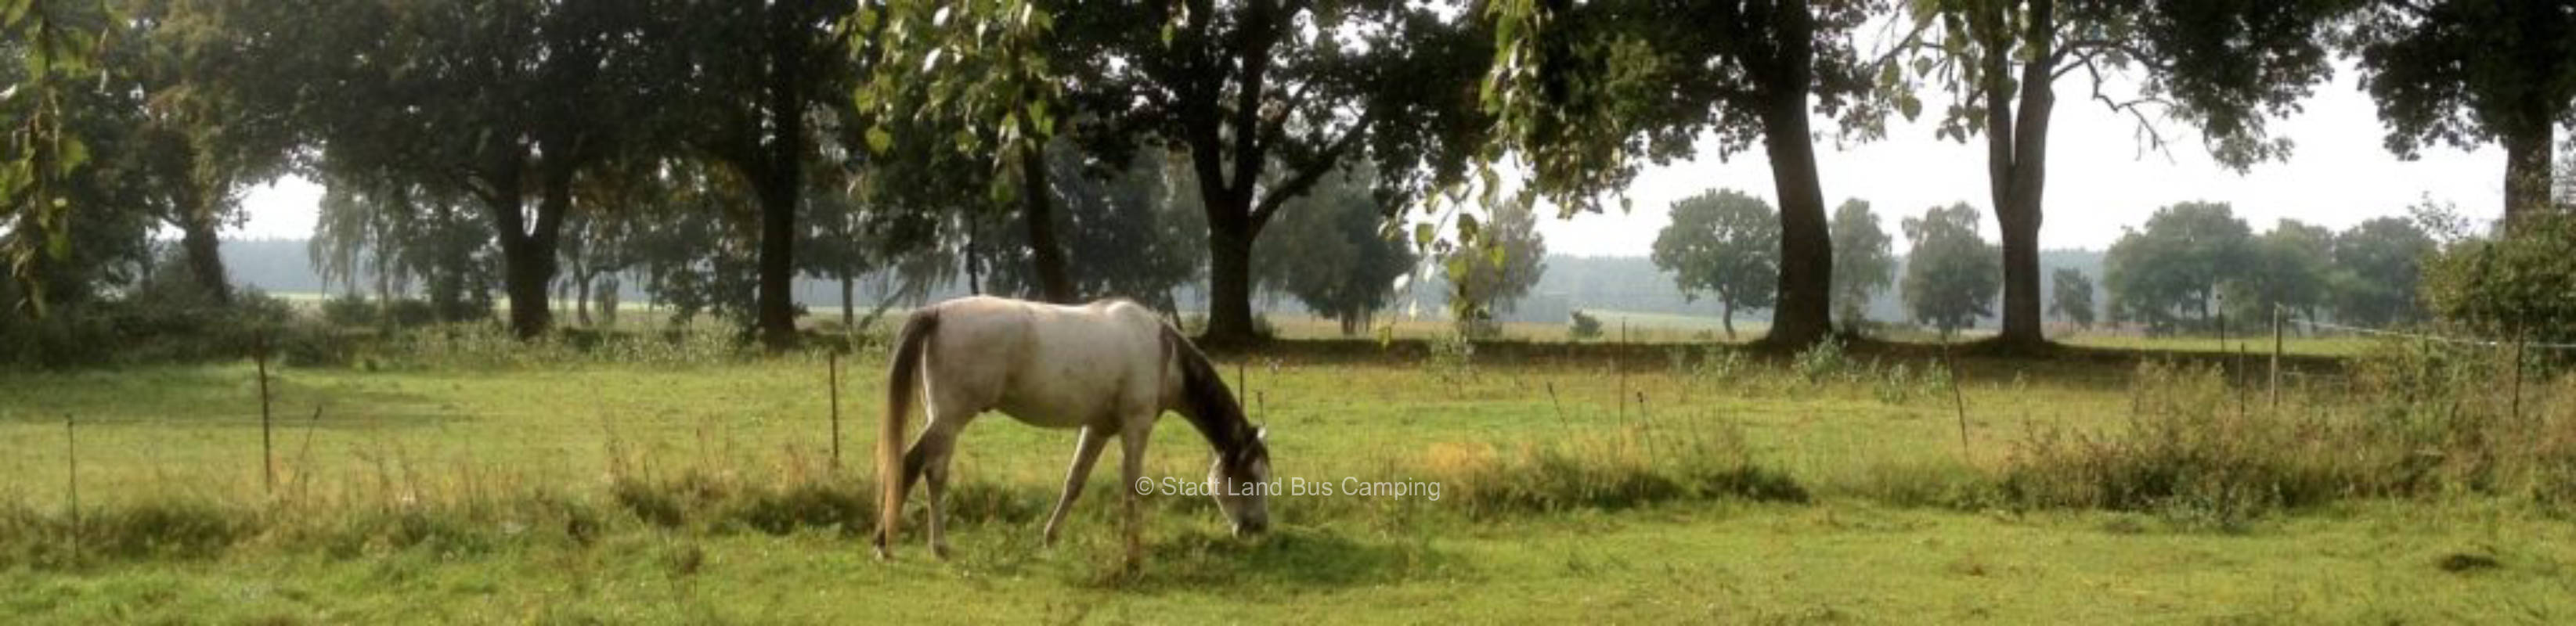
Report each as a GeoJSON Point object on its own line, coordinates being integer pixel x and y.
{"type": "Point", "coordinates": [470, 480]}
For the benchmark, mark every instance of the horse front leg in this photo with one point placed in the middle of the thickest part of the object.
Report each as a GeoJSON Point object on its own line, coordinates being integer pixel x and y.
{"type": "Point", "coordinates": [1085, 452]}
{"type": "Point", "coordinates": [1132, 439]}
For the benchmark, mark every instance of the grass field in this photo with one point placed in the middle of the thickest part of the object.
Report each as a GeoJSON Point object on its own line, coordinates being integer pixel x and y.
{"type": "Point", "coordinates": [700, 490]}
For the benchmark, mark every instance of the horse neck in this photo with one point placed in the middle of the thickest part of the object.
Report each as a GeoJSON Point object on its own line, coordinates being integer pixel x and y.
{"type": "Point", "coordinates": [1210, 405]}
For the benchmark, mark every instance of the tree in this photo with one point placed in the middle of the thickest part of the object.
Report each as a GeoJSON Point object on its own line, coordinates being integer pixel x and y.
{"type": "Point", "coordinates": [1264, 97]}
{"type": "Point", "coordinates": [2072, 298]}
{"type": "Point", "coordinates": [1582, 92]}
{"type": "Point", "coordinates": [1492, 278]}
{"type": "Point", "coordinates": [1134, 241]}
{"type": "Point", "coordinates": [2289, 273]}
{"type": "Point", "coordinates": [2176, 264]}
{"type": "Point", "coordinates": [206, 134]}
{"type": "Point", "coordinates": [2224, 66]}
{"type": "Point", "coordinates": [1951, 273]}
{"type": "Point", "coordinates": [2518, 286]}
{"type": "Point", "coordinates": [1727, 244]}
{"type": "Point", "coordinates": [759, 73]}
{"type": "Point", "coordinates": [2377, 267]}
{"type": "Point", "coordinates": [494, 100]}
{"type": "Point", "coordinates": [54, 46]}
{"type": "Point", "coordinates": [401, 234]}
{"type": "Point", "coordinates": [1334, 253]}
{"type": "Point", "coordinates": [2466, 72]}
{"type": "Point", "coordinates": [1863, 266]}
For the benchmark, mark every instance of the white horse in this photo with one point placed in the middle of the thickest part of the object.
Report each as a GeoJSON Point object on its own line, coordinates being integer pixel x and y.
{"type": "Point", "coordinates": [1109, 368]}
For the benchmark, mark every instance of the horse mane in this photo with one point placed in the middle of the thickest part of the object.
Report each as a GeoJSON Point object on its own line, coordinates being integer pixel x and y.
{"type": "Point", "coordinates": [1211, 406]}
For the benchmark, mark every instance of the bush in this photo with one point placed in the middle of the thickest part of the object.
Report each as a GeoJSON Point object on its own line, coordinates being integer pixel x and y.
{"type": "Point", "coordinates": [1584, 326]}
{"type": "Point", "coordinates": [2427, 422]}
{"type": "Point", "coordinates": [1824, 362]}
{"type": "Point", "coordinates": [2520, 286]}
{"type": "Point", "coordinates": [353, 310]}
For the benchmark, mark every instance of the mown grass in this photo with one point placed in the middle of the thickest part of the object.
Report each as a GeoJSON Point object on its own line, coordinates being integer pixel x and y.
{"type": "Point", "coordinates": [486, 484]}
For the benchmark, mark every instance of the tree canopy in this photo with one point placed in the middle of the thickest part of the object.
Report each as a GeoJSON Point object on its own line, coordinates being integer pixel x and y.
{"type": "Point", "coordinates": [1863, 265]}
{"type": "Point", "coordinates": [2222, 66]}
{"type": "Point", "coordinates": [1951, 273]}
{"type": "Point", "coordinates": [2072, 297]}
{"type": "Point", "coordinates": [1584, 93]}
{"type": "Point", "coordinates": [2467, 72]}
{"type": "Point", "coordinates": [2176, 264]}
{"type": "Point", "coordinates": [1724, 243]}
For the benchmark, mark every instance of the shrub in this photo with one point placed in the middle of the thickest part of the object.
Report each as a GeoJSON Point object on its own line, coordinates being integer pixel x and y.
{"type": "Point", "coordinates": [2427, 421]}
{"type": "Point", "coordinates": [2519, 286]}
{"type": "Point", "coordinates": [1824, 362]}
{"type": "Point", "coordinates": [1584, 327]}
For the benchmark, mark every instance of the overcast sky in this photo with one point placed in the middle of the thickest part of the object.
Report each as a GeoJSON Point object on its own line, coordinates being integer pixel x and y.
{"type": "Point", "coordinates": [2099, 181]}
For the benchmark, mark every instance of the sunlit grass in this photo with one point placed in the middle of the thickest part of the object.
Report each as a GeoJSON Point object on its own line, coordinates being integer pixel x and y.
{"type": "Point", "coordinates": [1609, 487]}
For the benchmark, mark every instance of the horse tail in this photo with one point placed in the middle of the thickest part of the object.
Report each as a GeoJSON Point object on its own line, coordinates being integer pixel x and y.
{"type": "Point", "coordinates": [901, 385]}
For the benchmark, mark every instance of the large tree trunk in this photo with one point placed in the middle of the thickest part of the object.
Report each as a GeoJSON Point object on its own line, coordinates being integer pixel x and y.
{"type": "Point", "coordinates": [849, 315]}
{"type": "Point", "coordinates": [205, 253]}
{"type": "Point", "coordinates": [1726, 316]}
{"type": "Point", "coordinates": [1805, 311]}
{"type": "Point", "coordinates": [526, 274]}
{"type": "Point", "coordinates": [781, 185]}
{"type": "Point", "coordinates": [1229, 278]}
{"type": "Point", "coordinates": [2017, 155]}
{"type": "Point", "coordinates": [1037, 200]}
{"type": "Point", "coordinates": [528, 250]}
{"type": "Point", "coordinates": [581, 297]}
{"type": "Point", "coordinates": [2527, 172]}
{"type": "Point", "coordinates": [776, 314]}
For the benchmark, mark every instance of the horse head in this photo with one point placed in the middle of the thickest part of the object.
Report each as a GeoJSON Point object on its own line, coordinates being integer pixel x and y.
{"type": "Point", "coordinates": [1240, 480]}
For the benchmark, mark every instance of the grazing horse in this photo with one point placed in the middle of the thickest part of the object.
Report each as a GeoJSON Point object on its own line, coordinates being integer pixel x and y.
{"type": "Point", "coordinates": [1109, 368]}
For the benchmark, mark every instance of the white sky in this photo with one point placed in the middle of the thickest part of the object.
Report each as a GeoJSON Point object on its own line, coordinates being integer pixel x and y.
{"type": "Point", "coordinates": [2098, 179]}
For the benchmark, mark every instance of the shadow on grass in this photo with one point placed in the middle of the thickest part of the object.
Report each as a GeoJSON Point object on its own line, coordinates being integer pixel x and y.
{"type": "Point", "coordinates": [1288, 558]}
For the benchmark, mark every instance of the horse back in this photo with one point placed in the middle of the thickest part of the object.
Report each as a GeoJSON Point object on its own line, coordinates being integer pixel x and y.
{"type": "Point", "coordinates": [1050, 365]}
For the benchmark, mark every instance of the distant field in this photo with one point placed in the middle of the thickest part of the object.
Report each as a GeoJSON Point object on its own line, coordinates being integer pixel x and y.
{"type": "Point", "coordinates": [1640, 327]}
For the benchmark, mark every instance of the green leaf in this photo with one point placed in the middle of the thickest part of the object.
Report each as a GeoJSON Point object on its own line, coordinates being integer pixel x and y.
{"type": "Point", "coordinates": [879, 140]}
{"type": "Point", "coordinates": [1423, 234]}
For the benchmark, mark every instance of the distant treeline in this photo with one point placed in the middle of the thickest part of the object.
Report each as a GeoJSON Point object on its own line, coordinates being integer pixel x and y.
{"type": "Point", "coordinates": [1570, 283]}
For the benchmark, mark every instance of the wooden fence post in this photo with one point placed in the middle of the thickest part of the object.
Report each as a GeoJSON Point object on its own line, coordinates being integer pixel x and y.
{"type": "Point", "coordinates": [267, 451]}
{"type": "Point", "coordinates": [71, 460]}
{"type": "Point", "coordinates": [832, 379]}
{"type": "Point", "coordinates": [2276, 359]}
{"type": "Point", "coordinates": [1957, 399]}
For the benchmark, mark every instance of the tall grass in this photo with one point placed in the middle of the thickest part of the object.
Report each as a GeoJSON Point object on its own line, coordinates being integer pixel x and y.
{"type": "Point", "coordinates": [2412, 421]}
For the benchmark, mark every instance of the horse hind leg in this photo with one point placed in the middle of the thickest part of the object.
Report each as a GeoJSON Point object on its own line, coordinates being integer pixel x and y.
{"type": "Point", "coordinates": [1085, 452]}
{"type": "Point", "coordinates": [929, 460]}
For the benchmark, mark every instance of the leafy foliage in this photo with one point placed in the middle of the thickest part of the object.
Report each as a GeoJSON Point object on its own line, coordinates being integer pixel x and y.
{"type": "Point", "coordinates": [1863, 266]}
{"type": "Point", "coordinates": [55, 44]}
{"type": "Point", "coordinates": [2176, 264]}
{"type": "Point", "coordinates": [1492, 276]}
{"type": "Point", "coordinates": [1727, 244]}
{"type": "Point", "coordinates": [2520, 286]}
{"type": "Point", "coordinates": [2289, 273]}
{"type": "Point", "coordinates": [2377, 267]}
{"type": "Point", "coordinates": [1583, 92]}
{"type": "Point", "coordinates": [2073, 296]}
{"type": "Point", "coordinates": [2465, 72]}
{"type": "Point", "coordinates": [1951, 273]}
{"type": "Point", "coordinates": [1120, 224]}
{"type": "Point", "coordinates": [1334, 253]}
